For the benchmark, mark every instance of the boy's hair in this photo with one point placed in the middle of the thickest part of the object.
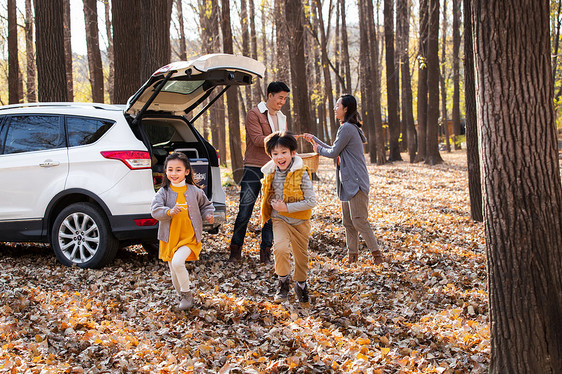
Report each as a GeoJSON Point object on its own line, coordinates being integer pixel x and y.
{"type": "Point", "coordinates": [284, 139]}
{"type": "Point", "coordinates": [275, 87]}
{"type": "Point", "coordinates": [182, 157]}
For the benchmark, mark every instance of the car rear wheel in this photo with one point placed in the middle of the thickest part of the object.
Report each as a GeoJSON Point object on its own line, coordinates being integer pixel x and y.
{"type": "Point", "coordinates": [81, 236]}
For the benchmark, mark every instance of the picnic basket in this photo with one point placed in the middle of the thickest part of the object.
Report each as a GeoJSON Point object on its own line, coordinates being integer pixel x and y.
{"type": "Point", "coordinates": [310, 160]}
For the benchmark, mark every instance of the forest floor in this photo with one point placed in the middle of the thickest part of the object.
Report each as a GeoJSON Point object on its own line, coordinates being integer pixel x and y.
{"type": "Point", "coordinates": [424, 311]}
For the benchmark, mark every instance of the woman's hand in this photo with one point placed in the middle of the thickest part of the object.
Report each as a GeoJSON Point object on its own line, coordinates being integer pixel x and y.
{"type": "Point", "coordinates": [279, 205]}
{"type": "Point", "coordinates": [210, 218]}
{"type": "Point", "coordinates": [308, 137]}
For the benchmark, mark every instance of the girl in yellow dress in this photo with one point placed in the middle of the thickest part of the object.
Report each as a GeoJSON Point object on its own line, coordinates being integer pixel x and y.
{"type": "Point", "coordinates": [180, 206]}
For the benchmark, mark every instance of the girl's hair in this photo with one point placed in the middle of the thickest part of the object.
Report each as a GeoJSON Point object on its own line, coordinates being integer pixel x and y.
{"type": "Point", "coordinates": [183, 158]}
{"type": "Point", "coordinates": [280, 139]}
{"type": "Point", "coordinates": [351, 115]}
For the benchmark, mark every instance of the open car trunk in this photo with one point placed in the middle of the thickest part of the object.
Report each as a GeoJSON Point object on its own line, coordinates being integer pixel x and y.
{"type": "Point", "coordinates": [157, 111]}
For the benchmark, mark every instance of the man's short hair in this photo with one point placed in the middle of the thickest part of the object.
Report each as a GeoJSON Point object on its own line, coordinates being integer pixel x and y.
{"type": "Point", "coordinates": [275, 87]}
{"type": "Point", "coordinates": [280, 139]}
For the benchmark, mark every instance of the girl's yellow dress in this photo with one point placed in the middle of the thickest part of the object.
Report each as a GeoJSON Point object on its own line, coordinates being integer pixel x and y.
{"type": "Point", "coordinates": [181, 231]}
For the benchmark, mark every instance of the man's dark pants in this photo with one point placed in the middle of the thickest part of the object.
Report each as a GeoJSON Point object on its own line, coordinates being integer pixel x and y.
{"type": "Point", "coordinates": [250, 187]}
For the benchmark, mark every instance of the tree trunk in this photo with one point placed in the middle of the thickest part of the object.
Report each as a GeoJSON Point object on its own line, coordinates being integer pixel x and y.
{"type": "Point", "coordinates": [265, 50]}
{"type": "Point", "coordinates": [303, 119]}
{"type": "Point", "coordinates": [51, 70]}
{"type": "Point", "coordinates": [31, 87]}
{"type": "Point", "coordinates": [245, 44]}
{"type": "Point", "coordinates": [94, 55]}
{"type": "Point", "coordinates": [329, 94]}
{"type": "Point", "coordinates": [379, 146]}
{"type": "Point", "coordinates": [282, 57]}
{"type": "Point", "coordinates": [345, 49]}
{"type": "Point", "coordinates": [155, 35]}
{"type": "Point", "coordinates": [127, 46]}
{"type": "Point", "coordinates": [392, 76]}
{"type": "Point", "coordinates": [444, 116]}
{"type": "Point", "coordinates": [422, 80]}
{"type": "Point", "coordinates": [68, 50]}
{"type": "Point", "coordinates": [337, 56]}
{"type": "Point", "coordinates": [322, 128]}
{"type": "Point", "coordinates": [183, 52]}
{"type": "Point", "coordinates": [254, 42]}
{"type": "Point", "coordinates": [14, 95]}
{"type": "Point", "coordinates": [521, 184]}
{"type": "Point", "coordinates": [432, 155]}
{"type": "Point", "coordinates": [110, 57]}
{"type": "Point", "coordinates": [472, 152]}
{"type": "Point", "coordinates": [456, 79]}
{"type": "Point", "coordinates": [365, 81]}
{"type": "Point", "coordinates": [232, 100]}
{"type": "Point", "coordinates": [407, 106]}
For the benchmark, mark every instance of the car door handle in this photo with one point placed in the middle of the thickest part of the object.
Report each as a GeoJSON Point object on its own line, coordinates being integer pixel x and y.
{"type": "Point", "coordinates": [49, 163]}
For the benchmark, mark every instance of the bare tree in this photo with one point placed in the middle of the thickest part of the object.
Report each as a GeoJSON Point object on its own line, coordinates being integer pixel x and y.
{"type": "Point", "coordinates": [183, 52]}
{"type": "Point", "coordinates": [326, 69]}
{"type": "Point", "coordinates": [345, 49]}
{"type": "Point", "coordinates": [392, 83]}
{"type": "Point", "coordinates": [51, 70]}
{"type": "Point", "coordinates": [245, 43]}
{"type": "Point", "coordinates": [432, 155]}
{"type": "Point", "coordinates": [68, 50]}
{"type": "Point", "coordinates": [110, 58]}
{"type": "Point", "coordinates": [442, 78]}
{"type": "Point", "coordinates": [422, 80]}
{"type": "Point", "coordinates": [522, 190]}
{"type": "Point", "coordinates": [14, 94]}
{"type": "Point", "coordinates": [155, 35]}
{"type": "Point", "coordinates": [31, 87]}
{"type": "Point", "coordinates": [94, 54]}
{"type": "Point", "coordinates": [232, 100]}
{"type": "Point", "coordinates": [257, 94]}
{"type": "Point", "coordinates": [282, 56]}
{"type": "Point", "coordinates": [301, 99]}
{"type": "Point", "coordinates": [456, 76]}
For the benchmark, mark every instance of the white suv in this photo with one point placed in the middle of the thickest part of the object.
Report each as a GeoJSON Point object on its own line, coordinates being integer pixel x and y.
{"type": "Point", "coordinates": [82, 176]}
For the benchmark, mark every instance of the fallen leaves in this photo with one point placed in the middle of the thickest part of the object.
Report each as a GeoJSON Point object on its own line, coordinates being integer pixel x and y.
{"type": "Point", "coordinates": [424, 311]}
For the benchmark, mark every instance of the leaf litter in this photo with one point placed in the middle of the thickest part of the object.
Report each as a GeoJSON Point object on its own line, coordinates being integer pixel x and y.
{"type": "Point", "coordinates": [424, 311]}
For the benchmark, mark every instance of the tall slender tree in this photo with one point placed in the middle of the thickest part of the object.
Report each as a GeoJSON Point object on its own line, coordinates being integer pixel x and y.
{"type": "Point", "coordinates": [422, 80]}
{"type": "Point", "coordinates": [256, 92]}
{"type": "Point", "coordinates": [51, 68]}
{"type": "Point", "coordinates": [31, 86]}
{"type": "Point", "coordinates": [68, 50]}
{"type": "Point", "coordinates": [408, 128]}
{"type": "Point", "coordinates": [442, 80]}
{"type": "Point", "coordinates": [432, 155]}
{"type": "Point", "coordinates": [14, 95]}
{"type": "Point", "coordinates": [94, 54]}
{"type": "Point", "coordinates": [456, 115]}
{"type": "Point", "coordinates": [110, 58]}
{"type": "Point", "coordinates": [345, 49]}
{"type": "Point", "coordinates": [392, 83]}
{"type": "Point", "coordinates": [302, 121]}
{"type": "Point", "coordinates": [282, 55]}
{"type": "Point", "coordinates": [522, 190]}
{"type": "Point", "coordinates": [181, 28]}
{"type": "Point", "coordinates": [232, 99]}
{"type": "Point", "coordinates": [245, 43]}
{"type": "Point", "coordinates": [472, 147]}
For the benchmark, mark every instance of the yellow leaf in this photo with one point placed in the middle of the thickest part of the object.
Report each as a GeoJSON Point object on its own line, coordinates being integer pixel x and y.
{"type": "Point", "coordinates": [385, 351]}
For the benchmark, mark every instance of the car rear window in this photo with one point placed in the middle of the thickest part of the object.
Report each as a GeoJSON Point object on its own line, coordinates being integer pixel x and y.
{"type": "Point", "coordinates": [82, 131]}
{"type": "Point", "coordinates": [33, 133]}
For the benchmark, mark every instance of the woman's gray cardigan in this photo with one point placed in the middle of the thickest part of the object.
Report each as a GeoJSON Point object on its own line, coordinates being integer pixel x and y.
{"type": "Point", "coordinates": [352, 166]}
{"type": "Point", "coordinates": [198, 207]}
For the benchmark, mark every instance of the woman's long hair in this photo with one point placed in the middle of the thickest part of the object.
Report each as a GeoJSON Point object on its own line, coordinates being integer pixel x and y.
{"type": "Point", "coordinates": [351, 115]}
{"type": "Point", "coordinates": [183, 158]}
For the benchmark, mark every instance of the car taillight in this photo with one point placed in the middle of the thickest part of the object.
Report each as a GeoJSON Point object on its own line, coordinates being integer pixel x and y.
{"type": "Point", "coordinates": [146, 222]}
{"type": "Point", "coordinates": [133, 159]}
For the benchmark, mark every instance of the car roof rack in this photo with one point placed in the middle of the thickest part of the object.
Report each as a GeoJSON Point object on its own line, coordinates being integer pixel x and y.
{"type": "Point", "coordinates": [64, 104]}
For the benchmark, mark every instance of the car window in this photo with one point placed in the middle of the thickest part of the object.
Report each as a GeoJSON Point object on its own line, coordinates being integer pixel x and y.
{"type": "Point", "coordinates": [2, 133]}
{"type": "Point", "coordinates": [182, 87]}
{"type": "Point", "coordinates": [33, 133]}
{"type": "Point", "coordinates": [82, 131]}
{"type": "Point", "coordinates": [158, 133]}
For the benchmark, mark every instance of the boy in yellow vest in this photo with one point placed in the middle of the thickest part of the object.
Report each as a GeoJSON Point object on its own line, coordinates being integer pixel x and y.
{"type": "Point", "coordinates": [288, 198]}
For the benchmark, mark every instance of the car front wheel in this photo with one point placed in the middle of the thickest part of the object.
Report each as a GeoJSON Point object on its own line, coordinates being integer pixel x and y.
{"type": "Point", "coordinates": [81, 236]}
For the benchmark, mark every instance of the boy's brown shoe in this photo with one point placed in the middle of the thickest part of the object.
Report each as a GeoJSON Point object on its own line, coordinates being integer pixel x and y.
{"type": "Point", "coordinates": [283, 291]}
{"type": "Point", "coordinates": [235, 253]}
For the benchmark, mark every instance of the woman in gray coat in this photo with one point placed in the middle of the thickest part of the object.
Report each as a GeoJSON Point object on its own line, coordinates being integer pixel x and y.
{"type": "Point", "coordinates": [352, 177]}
